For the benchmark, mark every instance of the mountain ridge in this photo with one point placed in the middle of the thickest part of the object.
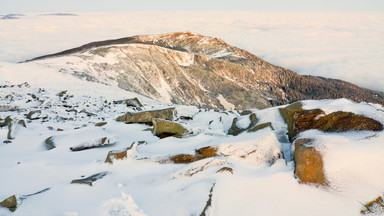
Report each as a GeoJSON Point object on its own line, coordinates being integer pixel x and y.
{"type": "Point", "coordinates": [189, 68]}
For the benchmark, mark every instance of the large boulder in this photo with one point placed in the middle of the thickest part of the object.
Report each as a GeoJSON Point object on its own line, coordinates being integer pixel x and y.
{"type": "Point", "coordinates": [163, 128]}
{"type": "Point", "coordinates": [147, 116]}
{"type": "Point", "coordinates": [333, 122]}
{"type": "Point", "coordinates": [299, 120]}
{"type": "Point", "coordinates": [308, 163]}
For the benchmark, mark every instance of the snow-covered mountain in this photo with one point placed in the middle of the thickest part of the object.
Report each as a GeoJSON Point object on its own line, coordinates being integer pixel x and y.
{"type": "Point", "coordinates": [73, 142]}
{"type": "Point", "coordinates": [192, 69]}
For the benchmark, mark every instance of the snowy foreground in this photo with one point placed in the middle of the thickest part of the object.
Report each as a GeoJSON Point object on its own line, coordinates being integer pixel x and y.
{"type": "Point", "coordinates": [256, 180]}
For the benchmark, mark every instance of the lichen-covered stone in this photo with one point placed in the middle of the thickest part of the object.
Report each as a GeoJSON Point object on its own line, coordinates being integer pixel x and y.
{"type": "Point", "coordinates": [50, 143]}
{"type": "Point", "coordinates": [287, 113]}
{"type": "Point", "coordinates": [261, 126]}
{"type": "Point", "coordinates": [147, 116]}
{"type": "Point", "coordinates": [333, 122]}
{"type": "Point", "coordinates": [22, 123]}
{"type": "Point", "coordinates": [100, 124]}
{"type": "Point", "coordinates": [163, 128]}
{"type": "Point", "coordinates": [10, 203]}
{"type": "Point", "coordinates": [134, 102]}
{"type": "Point", "coordinates": [89, 180]}
{"type": "Point", "coordinates": [120, 154]}
{"type": "Point", "coordinates": [234, 130]}
{"type": "Point", "coordinates": [299, 120]}
{"type": "Point", "coordinates": [34, 115]}
{"type": "Point", "coordinates": [95, 143]}
{"type": "Point", "coordinates": [308, 163]}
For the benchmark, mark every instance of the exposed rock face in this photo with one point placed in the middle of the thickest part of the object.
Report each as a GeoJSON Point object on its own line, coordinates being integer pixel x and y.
{"type": "Point", "coordinates": [147, 116]}
{"type": "Point", "coordinates": [308, 163]}
{"type": "Point", "coordinates": [299, 120]}
{"type": "Point", "coordinates": [189, 68]}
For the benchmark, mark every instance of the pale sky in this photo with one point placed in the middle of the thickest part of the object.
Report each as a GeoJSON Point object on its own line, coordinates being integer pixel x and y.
{"type": "Point", "coordinates": [25, 6]}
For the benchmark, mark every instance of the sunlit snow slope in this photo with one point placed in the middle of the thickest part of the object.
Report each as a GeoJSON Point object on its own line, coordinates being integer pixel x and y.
{"type": "Point", "coordinates": [251, 174]}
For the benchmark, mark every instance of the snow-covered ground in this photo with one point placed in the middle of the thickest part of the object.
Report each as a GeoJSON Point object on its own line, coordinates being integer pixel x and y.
{"type": "Point", "coordinates": [146, 182]}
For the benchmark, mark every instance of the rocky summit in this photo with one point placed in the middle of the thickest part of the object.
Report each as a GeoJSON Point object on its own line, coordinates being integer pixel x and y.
{"type": "Point", "coordinates": [192, 69]}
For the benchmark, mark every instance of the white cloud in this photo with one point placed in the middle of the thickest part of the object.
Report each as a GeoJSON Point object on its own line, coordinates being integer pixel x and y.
{"type": "Point", "coordinates": [346, 46]}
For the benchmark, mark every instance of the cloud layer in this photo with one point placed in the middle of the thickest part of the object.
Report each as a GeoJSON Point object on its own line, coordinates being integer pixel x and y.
{"type": "Point", "coordinates": [346, 46]}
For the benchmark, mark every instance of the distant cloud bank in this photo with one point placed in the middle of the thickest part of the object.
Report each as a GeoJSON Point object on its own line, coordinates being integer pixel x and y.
{"type": "Point", "coordinates": [345, 45]}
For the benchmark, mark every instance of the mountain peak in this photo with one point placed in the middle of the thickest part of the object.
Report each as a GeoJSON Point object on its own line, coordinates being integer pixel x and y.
{"type": "Point", "coordinates": [190, 68]}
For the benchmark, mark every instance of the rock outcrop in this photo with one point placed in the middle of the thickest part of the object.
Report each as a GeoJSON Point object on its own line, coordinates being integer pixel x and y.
{"type": "Point", "coordinates": [299, 120]}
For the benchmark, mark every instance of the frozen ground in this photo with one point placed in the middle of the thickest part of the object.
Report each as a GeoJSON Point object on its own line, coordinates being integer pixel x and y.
{"type": "Point", "coordinates": [145, 183]}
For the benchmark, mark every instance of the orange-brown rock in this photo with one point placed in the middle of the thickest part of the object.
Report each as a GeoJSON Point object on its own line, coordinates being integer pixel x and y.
{"type": "Point", "coordinates": [299, 120]}
{"type": "Point", "coordinates": [374, 207]}
{"type": "Point", "coordinates": [308, 163]}
{"type": "Point", "coordinates": [116, 154]}
{"type": "Point", "coordinates": [208, 151]}
{"type": "Point", "coordinates": [225, 170]}
{"type": "Point", "coordinates": [333, 122]}
{"type": "Point", "coordinates": [185, 158]}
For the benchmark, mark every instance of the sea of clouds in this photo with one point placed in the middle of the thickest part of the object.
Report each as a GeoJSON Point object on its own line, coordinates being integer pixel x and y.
{"type": "Point", "coordinates": [342, 45]}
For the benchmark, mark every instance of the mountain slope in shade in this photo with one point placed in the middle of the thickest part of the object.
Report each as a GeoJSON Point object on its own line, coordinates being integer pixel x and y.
{"type": "Point", "coordinates": [189, 68]}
